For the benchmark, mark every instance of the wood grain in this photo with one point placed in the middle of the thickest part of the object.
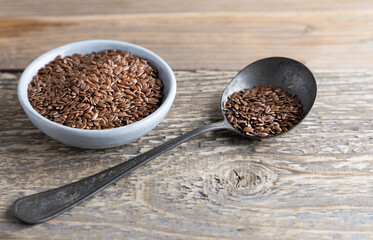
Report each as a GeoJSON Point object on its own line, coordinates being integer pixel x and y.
{"type": "Point", "coordinates": [195, 35]}
{"type": "Point", "coordinates": [315, 182]}
{"type": "Point", "coordinates": [26, 8]}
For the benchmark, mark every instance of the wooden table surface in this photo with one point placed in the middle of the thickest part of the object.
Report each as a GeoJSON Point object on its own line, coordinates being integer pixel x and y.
{"type": "Point", "coordinates": [315, 182]}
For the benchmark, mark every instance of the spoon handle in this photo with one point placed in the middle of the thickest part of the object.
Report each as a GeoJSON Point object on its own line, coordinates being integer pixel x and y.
{"type": "Point", "coordinates": [43, 206]}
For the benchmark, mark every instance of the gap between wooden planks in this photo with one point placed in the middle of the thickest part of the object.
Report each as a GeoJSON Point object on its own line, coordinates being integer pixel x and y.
{"type": "Point", "coordinates": [321, 36]}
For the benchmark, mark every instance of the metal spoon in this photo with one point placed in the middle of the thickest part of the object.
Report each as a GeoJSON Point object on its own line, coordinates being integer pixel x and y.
{"type": "Point", "coordinates": [282, 72]}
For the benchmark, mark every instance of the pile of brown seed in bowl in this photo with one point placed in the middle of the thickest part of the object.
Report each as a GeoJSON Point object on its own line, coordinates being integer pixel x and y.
{"type": "Point", "coordinates": [100, 90]}
{"type": "Point", "coordinates": [263, 110]}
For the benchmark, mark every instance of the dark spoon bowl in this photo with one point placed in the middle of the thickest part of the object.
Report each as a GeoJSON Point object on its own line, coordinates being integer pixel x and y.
{"type": "Point", "coordinates": [281, 72]}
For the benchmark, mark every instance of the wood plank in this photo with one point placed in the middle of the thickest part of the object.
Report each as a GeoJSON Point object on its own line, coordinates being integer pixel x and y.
{"type": "Point", "coordinates": [315, 182]}
{"type": "Point", "coordinates": [223, 40]}
{"type": "Point", "coordinates": [37, 8]}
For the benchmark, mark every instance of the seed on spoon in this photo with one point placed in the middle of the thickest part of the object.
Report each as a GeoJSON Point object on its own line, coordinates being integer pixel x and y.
{"type": "Point", "coordinates": [263, 110]}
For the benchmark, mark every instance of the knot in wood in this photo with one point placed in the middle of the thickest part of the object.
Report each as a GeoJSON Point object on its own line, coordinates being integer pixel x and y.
{"type": "Point", "coordinates": [235, 181]}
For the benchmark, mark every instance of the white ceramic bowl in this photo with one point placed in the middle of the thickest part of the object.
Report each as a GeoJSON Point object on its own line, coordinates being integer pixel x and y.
{"type": "Point", "coordinates": [98, 138]}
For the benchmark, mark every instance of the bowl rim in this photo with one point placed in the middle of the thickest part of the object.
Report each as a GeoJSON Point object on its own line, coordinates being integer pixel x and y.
{"type": "Point", "coordinates": [26, 75]}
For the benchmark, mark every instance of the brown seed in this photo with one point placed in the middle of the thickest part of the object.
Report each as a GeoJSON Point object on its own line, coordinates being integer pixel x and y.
{"type": "Point", "coordinates": [248, 129]}
{"type": "Point", "coordinates": [81, 105]}
{"type": "Point", "coordinates": [122, 114]}
{"type": "Point", "coordinates": [262, 134]}
{"type": "Point", "coordinates": [277, 129]}
{"type": "Point", "coordinates": [95, 115]}
{"type": "Point", "coordinates": [87, 116]}
{"type": "Point", "coordinates": [106, 87]}
{"type": "Point", "coordinates": [86, 106]}
{"type": "Point", "coordinates": [101, 103]}
{"type": "Point", "coordinates": [268, 118]}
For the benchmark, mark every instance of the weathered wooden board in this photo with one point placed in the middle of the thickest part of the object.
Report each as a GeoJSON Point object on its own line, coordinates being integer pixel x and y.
{"type": "Point", "coordinates": [26, 8]}
{"type": "Point", "coordinates": [192, 35]}
{"type": "Point", "coordinates": [315, 182]}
